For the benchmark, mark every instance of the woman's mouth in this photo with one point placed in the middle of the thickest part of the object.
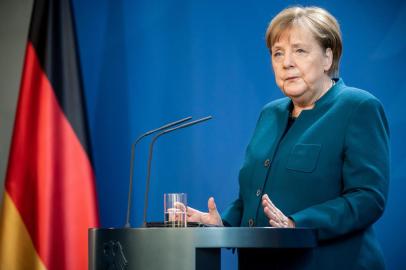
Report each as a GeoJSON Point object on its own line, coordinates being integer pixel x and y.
{"type": "Point", "coordinates": [290, 79]}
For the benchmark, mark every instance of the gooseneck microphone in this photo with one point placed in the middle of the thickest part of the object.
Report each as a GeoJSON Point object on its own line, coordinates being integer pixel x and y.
{"type": "Point", "coordinates": [151, 146]}
{"type": "Point", "coordinates": [130, 187]}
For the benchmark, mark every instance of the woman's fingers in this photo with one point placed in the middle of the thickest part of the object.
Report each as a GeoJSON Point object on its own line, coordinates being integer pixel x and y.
{"type": "Point", "coordinates": [275, 216]}
{"type": "Point", "coordinates": [194, 218]}
{"type": "Point", "coordinates": [180, 206]}
{"type": "Point", "coordinates": [274, 220]}
{"type": "Point", "coordinates": [266, 199]}
{"type": "Point", "coordinates": [212, 217]}
{"type": "Point", "coordinates": [191, 211]}
{"type": "Point", "coordinates": [211, 205]}
{"type": "Point", "coordinates": [193, 215]}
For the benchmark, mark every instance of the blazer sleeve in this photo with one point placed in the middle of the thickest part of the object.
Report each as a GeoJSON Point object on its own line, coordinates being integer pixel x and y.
{"type": "Point", "coordinates": [365, 177]}
{"type": "Point", "coordinates": [233, 214]}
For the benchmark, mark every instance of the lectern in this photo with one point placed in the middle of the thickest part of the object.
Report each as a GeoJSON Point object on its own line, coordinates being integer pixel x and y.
{"type": "Point", "coordinates": [199, 248]}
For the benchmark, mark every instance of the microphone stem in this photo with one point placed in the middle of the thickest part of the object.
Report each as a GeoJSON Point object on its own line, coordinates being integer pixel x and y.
{"type": "Point", "coordinates": [151, 147]}
{"type": "Point", "coordinates": [130, 188]}
{"type": "Point", "coordinates": [127, 223]}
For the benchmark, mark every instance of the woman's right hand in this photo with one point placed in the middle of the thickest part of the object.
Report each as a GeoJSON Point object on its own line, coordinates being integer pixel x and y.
{"type": "Point", "coordinates": [210, 218]}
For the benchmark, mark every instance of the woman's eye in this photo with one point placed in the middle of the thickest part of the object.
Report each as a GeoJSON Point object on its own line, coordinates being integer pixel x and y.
{"type": "Point", "coordinates": [277, 54]}
{"type": "Point", "coordinates": [300, 51]}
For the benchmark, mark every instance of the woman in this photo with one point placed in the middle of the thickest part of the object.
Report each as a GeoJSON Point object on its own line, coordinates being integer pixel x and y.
{"type": "Point", "coordinates": [319, 157]}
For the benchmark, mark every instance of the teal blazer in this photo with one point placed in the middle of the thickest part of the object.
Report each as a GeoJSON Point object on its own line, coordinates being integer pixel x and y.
{"type": "Point", "coordinates": [330, 172]}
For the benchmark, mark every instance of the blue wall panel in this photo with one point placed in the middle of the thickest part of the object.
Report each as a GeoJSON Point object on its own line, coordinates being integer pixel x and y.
{"type": "Point", "coordinates": [146, 63]}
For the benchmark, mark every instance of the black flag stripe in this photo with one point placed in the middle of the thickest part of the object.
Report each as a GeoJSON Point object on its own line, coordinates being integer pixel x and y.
{"type": "Point", "coordinates": [55, 43]}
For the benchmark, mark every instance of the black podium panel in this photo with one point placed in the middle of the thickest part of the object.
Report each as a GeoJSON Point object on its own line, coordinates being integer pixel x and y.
{"type": "Point", "coordinates": [199, 248]}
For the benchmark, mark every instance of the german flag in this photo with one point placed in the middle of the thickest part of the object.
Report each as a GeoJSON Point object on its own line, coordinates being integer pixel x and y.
{"type": "Point", "coordinates": [49, 200]}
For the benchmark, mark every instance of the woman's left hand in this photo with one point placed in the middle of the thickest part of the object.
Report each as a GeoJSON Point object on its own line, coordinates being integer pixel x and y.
{"type": "Point", "coordinates": [275, 216]}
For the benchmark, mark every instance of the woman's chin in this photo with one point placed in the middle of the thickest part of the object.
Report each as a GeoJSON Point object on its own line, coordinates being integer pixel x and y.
{"type": "Point", "coordinates": [294, 92]}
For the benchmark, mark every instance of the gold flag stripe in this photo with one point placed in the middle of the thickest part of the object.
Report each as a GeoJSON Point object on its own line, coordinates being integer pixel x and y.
{"type": "Point", "coordinates": [17, 251]}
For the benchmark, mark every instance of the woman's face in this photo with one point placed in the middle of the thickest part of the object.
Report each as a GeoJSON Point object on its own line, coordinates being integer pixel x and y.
{"type": "Point", "coordinates": [301, 65]}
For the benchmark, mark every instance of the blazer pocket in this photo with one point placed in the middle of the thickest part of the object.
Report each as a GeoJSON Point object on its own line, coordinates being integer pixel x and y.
{"type": "Point", "coordinates": [304, 157]}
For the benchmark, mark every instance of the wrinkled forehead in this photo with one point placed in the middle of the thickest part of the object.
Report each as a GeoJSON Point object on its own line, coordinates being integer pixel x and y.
{"type": "Point", "coordinates": [294, 35]}
{"type": "Point", "coordinates": [297, 28]}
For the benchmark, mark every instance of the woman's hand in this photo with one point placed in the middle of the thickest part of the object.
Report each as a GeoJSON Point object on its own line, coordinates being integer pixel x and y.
{"type": "Point", "coordinates": [210, 218]}
{"type": "Point", "coordinates": [275, 216]}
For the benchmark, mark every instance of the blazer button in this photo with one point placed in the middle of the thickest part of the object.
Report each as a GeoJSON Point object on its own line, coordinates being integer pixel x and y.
{"type": "Point", "coordinates": [251, 222]}
{"type": "Point", "coordinates": [258, 192]}
{"type": "Point", "coordinates": [267, 163]}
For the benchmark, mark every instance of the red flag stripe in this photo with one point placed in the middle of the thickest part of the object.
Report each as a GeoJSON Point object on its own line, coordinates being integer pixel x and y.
{"type": "Point", "coordinates": [49, 177]}
{"type": "Point", "coordinates": [52, 34]}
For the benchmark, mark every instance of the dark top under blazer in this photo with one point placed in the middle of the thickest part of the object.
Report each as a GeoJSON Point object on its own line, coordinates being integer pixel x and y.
{"type": "Point", "coordinates": [330, 172]}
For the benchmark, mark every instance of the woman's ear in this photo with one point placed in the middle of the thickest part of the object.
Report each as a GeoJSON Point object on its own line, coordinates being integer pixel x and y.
{"type": "Point", "coordinates": [328, 59]}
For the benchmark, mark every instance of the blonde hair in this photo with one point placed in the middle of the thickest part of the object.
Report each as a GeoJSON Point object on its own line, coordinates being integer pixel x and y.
{"type": "Point", "coordinates": [320, 22]}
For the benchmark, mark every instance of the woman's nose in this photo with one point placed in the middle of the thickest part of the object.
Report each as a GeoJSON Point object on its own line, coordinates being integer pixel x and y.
{"type": "Point", "coordinates": [288, 60]}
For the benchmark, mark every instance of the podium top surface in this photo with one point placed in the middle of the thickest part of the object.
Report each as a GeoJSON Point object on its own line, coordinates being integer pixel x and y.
{"type": "Point", "coordinates": [214, 237]}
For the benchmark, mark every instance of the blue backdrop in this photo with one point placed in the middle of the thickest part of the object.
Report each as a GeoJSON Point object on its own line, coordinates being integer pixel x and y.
{"type": "Point", "coordinates": [149, 62]}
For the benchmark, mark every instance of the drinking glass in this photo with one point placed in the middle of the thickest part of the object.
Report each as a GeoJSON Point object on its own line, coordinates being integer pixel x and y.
{"type": "Point", "coordinates": [175, 205]}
